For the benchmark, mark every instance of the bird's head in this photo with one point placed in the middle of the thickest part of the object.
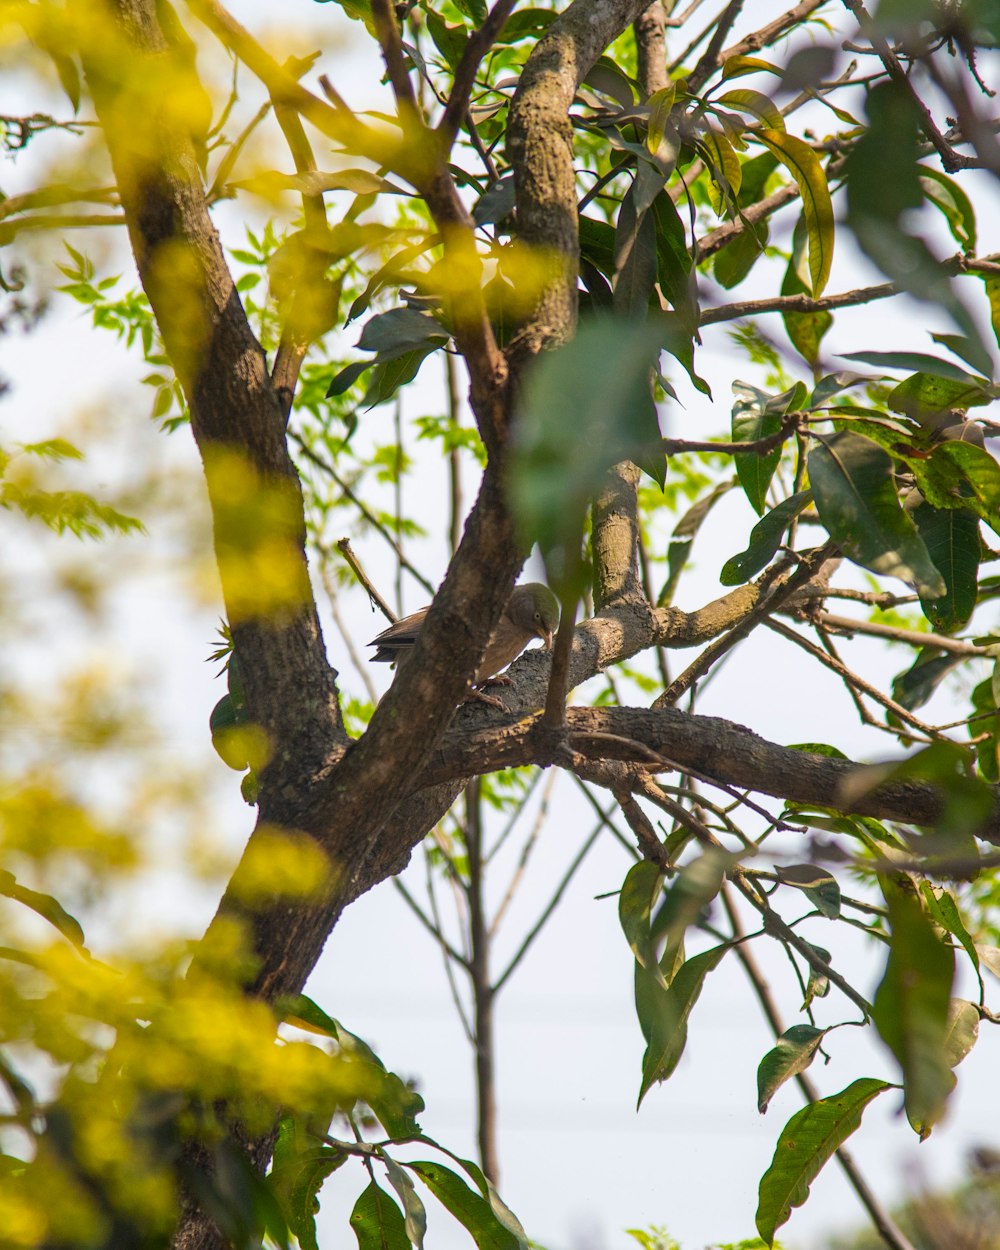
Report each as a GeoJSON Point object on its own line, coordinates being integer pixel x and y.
{"type": "Point", "coordinates": [535, 609]}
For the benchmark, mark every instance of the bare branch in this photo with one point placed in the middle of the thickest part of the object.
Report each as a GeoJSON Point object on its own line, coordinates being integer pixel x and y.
{"type": "Point", "coordinates": [480, 42]}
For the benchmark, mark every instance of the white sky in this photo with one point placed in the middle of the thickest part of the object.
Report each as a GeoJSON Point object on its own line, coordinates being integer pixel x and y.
{"type": "Point", "coordinates": [579, 1165]}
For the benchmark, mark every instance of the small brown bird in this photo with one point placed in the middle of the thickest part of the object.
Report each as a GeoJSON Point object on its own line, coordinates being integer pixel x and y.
{"type": "Point", "coordinates": [532, 611]}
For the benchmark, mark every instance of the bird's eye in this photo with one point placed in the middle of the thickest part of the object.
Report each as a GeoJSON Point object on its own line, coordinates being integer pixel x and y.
{"type": "Point", "coordinates": [538, 616]}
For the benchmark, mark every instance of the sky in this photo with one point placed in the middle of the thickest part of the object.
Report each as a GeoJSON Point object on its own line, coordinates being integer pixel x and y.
{"type": "Point", "coordinates": [579, 1164]}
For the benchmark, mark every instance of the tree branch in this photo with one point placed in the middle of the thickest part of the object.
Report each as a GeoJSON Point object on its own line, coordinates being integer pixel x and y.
{"type": "Point", "coordinates": [720, 751]}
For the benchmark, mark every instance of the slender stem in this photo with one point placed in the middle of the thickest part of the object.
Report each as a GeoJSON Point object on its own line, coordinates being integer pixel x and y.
{"type": "Point", "coordinates": [482, 991]}
{"type": "Point", "coordinates": [345, 549]}
{"type": "Point", "coordinates": [554, 901]}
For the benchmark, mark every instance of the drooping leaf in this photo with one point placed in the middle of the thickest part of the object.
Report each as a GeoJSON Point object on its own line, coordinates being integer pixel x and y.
{"type": "Point", "coordinates": [805, 330]}
{"type": "Point", "coordinates": [765, 538]}
{"type": "Point", "coordinates": [496, 202]}
{"type": "Point", "coordinates": [944, 911]}
{"type": "Point", "coordinates": [635, 259]}
{"type": "Point", "coordinates": [668, 1032]}
{"type": "Point", "coordinates": [471, 1210]}
{"type": "Point", "coordinates": [945, 194]}
{"type": "Point", "coordinates": [807, 1141]}
{"type": "Point", "coordinates": [389, 375]}
{"type": "Point", "coordinates": [414, 1215]}
{"type": "Point", "coordinates": [818, 985]}
{"type": "Point", "coordinates": [378, 1222]}
{"type": "Point", "coordinates": [914, 686]}
{"type": "Point", "coordinates": [674, 266]}
{"type": "Point", "coordinates": [951, 537]}
{"type": "Point", "coordinates": [961, 1030]}
{"type": "Point", "coordinates": [803, 164]}
{"type": "Point", "coordinates": [640, 890]}
{"type": "Point", "coordinates": [795, 1050]}
{"type": "Point", "coordinates": [856, 499]}
{"type": "Point", "coordinates": [757, 415]}
{"type": "Point", "coordinates": [910, 1009]}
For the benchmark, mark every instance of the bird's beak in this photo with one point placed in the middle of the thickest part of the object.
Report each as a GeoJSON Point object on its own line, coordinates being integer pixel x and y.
{"type": "Point", "coordinates": [547, 636]}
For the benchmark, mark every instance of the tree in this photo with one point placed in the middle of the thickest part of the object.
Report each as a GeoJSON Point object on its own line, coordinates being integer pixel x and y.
{"type": "Point", "coordinates": [559, 179]}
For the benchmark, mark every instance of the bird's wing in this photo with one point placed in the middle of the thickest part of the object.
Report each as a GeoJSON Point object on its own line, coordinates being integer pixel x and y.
{"type": "Point", "coordinates": [399, 636]}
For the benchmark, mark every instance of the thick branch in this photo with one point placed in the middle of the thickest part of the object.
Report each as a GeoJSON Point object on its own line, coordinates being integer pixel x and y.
{"type": "Point", "coordinates": [718, 749]}
{"type": "Point", "coordinates": [540, 150]}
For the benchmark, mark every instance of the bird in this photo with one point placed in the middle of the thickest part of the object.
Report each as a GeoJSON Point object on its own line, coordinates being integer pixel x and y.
{"type": "Point", "coordinates": [532, 611]}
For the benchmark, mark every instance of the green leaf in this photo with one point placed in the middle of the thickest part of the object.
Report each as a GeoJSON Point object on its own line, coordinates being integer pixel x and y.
{"type": "Point", "coordinates": [401, 329]}
{"type": "Point", "coordinates": [724, 169]}
{"type": "Point", "coordinates": [345, 378]}
{"type": "Point", "coordinates": [803, 164]}
{"type": "Point", "coordinates": [578, 417]}
{"type": "Point", "coordinates": [471, 1210]}
{"type": "Point", "coordinates": [414, 1215]}
{"type": "Point", "coordinates": [758, 105]}
{"type": "Point", "coordinates": [377, 1222]}
{"type": "Point", "coordinates": [947, 196]}
{"type": "Point", "coordinates": [689, 894]}
{"type": "Point", "coordinates": [757, 415]}
{"type": "Point", "coordinates": [659, 104]}
{"type": "Point", "coordinates": [674, 268]}
{"type": "Point", "coordinates": [794, 1052]}
{"type": "Point", "coordinates": [911, 1007]}
{"type": "Point", "coordinates": [980, 475]}
{"type": "Point", "coordinates": [640, 890]}
{"type": "Point", "coordinates": [818, 884]}
{"type": "Point", "coordinates": [961, 1031]}
{"type": "Point", "coordinates": [951, 537]}
{"type": "Point", "coordinates": [388, 376]}
{"type": "Point", "coordinates": [944, 911]}
{"type": "Point", "coordinates": [930, 399]}
{"type": "Point", "coordinates": [807, 1141]}
{"type": "Point", "coordinates": [818, 985]}
{"type": "Point", "coordinates": [765, 538]}
{"type": "Point", "coordinates": [668, 1031]}
{"type": "Point", "coordinates": [991, 283]}
{"type": "Point", "coordinates": [915, 686]}
{"type": "Point", "coordinates": [971, 351]}
{"type": "Point", "coordinates": [635, 258]}
{"type": "Point", "coordinates": [856, 499]}
{"type": "Point", "coordinates": [734, 261]}
{"type": "Point", "coordinates": [449, 40]}
{"type": "Point", "coordinates": [805, 330]}
{"type": "Point", "coordinates": [297, 1176]}
{"type": "Point", "coordinates": [917, 362]}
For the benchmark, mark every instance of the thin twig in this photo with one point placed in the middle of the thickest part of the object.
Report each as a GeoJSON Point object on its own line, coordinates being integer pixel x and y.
{"type": "Point", "coordinates": [784, 584]}
{"type": "Point", "coordinates": [530, 842]}
{"type": "Point", "coordinates": [847, 675]}
{"type": "Point", "coordinates": [345, 549]}
{"type": "Point", "coordinates": [365, 511]}
{"type": "Point", "coordinates": [552, 904]}
{"type": "Point", "coordinates": [847, 625]}
{"type": "Point", "coordinates": [479, 43]}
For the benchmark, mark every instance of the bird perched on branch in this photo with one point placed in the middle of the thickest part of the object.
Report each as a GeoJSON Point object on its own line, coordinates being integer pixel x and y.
{"type": "Point", "coordinates": [532, 611]}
